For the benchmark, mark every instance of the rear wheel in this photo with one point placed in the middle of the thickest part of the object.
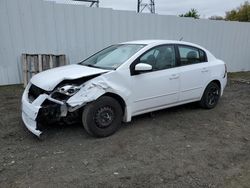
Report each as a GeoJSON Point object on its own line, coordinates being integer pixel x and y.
{"type": "Point", "coordinates": [102, 117]}
{"type": "Point", "coordinates": [210, 96]}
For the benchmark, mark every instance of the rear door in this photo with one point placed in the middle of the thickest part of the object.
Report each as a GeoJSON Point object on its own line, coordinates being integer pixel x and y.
{"type": "Point", "coordinates": [194, 72]}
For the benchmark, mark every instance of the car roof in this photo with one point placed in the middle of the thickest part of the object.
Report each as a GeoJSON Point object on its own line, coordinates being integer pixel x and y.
{"type": "Point", "coordinates": [153, 43]}
{"type": "Point", "coordinates": [158, 42]}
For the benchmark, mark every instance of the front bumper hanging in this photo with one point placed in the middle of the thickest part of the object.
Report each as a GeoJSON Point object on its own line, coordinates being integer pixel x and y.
{"type": "Point", "coordinates": [34, 112]}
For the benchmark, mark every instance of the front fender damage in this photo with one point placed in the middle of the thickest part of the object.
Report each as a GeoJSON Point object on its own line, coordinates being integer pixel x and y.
{"type": "Point", "coordinates": [88, 93]}
{"type": "Point", "coordinates": [46, 109]}
{"type": "Point", "coordinates": [95, 89]}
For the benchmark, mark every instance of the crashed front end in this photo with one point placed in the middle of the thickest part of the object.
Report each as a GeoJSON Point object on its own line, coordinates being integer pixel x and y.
{"type": "Point", "coordinates": [41, 107]}
{"type": "Point", "coordinates": [38, 106]}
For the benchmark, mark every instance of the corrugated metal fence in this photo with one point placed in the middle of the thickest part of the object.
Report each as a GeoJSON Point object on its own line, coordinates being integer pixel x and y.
{"type": "Point", "coordinates": [37, 26]}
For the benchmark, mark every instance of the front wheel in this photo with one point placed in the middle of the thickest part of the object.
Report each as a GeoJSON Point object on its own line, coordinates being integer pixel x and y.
{"type": "Point", "coordinates": [102, 117]}
{"type": "Point", "coordinates": [210, 96]}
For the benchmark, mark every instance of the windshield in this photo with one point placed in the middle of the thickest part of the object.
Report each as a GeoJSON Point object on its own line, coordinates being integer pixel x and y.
{"type": "Point", "coordinates": [113, 56]}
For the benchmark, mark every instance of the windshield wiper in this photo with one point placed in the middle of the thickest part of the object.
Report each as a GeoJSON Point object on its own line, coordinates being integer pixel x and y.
{"type": "Point", "coordinates": [90, 65]}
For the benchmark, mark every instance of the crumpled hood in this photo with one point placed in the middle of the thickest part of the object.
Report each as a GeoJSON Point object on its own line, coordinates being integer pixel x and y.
{"type": "Point", "coordinates": [49, 79]}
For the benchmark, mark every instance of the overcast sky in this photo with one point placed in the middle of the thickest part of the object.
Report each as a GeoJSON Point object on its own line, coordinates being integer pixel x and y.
{"type": "Point", "coordinates": [206, 8]}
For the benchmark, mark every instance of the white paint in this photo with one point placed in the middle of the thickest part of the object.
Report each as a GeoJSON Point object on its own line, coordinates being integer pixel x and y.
{"type": "Point", "coordinates": [56, 75]}
{"type": "Point", "coordinates": [30, 111]}
{"type": "Point", "coordinates": [143, 67]}
{"type": "Point", "coordinates": [144, 92]}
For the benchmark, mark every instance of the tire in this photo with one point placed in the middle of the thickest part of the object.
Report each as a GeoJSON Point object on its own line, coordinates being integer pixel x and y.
{"type": "Point", "coordinates": [102, 117]}
{"type": "Point", "coordinates": [210, 96]}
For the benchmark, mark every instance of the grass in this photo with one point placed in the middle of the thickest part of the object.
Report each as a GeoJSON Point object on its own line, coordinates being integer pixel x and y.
{"type": "Point", "coordinates": [239, 75]}
{"type": "Point", "coordinates": [11, 88]}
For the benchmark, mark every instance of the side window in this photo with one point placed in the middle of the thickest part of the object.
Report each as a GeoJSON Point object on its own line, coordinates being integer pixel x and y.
{"type": "Point", "coordinates": [203, 56]}
{"type": "Point", "coordinates": [190, 55]}
{"type": "Point", "coordinates": [150, 55]}
{"type": "Point", "coordinates": [161, 57]}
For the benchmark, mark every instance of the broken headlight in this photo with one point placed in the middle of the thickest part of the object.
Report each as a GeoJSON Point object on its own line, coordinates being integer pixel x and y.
{"type": "Point", "coordinates": [63, 93]}
{"type": "Point", "coordinates": [69, 90]}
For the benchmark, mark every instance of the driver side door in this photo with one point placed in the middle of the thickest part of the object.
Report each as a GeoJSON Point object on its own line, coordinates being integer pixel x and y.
{"type": "Point", "coordinates": [159, 87]}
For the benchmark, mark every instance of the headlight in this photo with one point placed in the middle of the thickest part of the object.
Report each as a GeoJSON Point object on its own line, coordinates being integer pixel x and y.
{"type": "Point", "coordinates": [69, 90]}
{"type": "Point", "coordinates": [63, 93]}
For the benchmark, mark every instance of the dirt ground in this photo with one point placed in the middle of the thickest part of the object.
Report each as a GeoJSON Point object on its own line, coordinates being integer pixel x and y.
{"type": "Point", "coordinates": [179, 147]}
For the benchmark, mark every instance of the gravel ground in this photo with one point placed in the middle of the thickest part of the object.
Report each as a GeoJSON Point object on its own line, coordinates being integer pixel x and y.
{"type": "Point", "coordinates": [183, 146]}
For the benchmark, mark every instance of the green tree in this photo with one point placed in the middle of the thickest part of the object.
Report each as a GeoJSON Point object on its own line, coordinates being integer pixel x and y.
{"type": "Point", "coordinates": [241, 13]}
{"type": "Point", "coordinates": [192, 13]}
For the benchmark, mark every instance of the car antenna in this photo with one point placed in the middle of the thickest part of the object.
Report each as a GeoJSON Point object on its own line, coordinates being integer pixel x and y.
{"type": "Point", "coordinates": [181, 39]}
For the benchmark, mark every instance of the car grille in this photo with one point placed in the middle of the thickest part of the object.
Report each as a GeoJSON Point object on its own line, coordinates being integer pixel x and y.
{"type": "Point", "coordinates": [34, 92]}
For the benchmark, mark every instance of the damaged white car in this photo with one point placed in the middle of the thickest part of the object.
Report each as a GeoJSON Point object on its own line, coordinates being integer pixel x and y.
{"type": "Point", "coordinates": [123, 81]}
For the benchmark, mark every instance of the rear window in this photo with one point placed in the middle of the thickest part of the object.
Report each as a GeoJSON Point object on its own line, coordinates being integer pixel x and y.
{"type": "Point", "coordinates": [191, 55]}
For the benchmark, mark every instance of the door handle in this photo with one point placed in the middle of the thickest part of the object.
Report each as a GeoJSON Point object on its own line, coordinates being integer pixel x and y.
{"type": "Point", "coordinates": [174, 76]}
{"type": "Point", "coordinates": [204, 70]}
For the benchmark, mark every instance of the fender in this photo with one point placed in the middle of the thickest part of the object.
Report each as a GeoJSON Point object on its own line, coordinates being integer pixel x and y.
{"type": "Point", "coordinates": [216, 78]}
{"type": "Point", "coordinates": [96, 88]}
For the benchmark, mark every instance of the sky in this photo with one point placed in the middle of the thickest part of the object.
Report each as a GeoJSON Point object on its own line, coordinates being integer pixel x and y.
{"type": "Point", "coordinates": [206, 8]}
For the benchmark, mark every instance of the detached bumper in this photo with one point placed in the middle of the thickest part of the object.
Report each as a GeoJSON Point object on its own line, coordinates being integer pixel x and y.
{"type": "Point", "coordinates": [33, 112]}
{"type": "Point", "coordinates": [30, 111]}
{"type": "Point", "coordinates": [30, 124]}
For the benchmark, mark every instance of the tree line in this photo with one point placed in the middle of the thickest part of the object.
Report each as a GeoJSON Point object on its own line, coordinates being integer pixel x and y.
{"type": "Point", "coordinates": [241, 14]}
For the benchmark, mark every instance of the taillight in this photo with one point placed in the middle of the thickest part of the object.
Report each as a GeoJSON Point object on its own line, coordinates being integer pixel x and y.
{"type": "Point", "coordinates": [225, 70]}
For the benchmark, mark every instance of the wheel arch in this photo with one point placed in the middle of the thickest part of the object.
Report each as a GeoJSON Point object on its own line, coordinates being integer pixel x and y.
{"type": "Point", "coordinates": [119, 99]}
{"type": "Point", "coordinates": [205, 97]}
{"type": "Point", "coordinates": [216, 81]}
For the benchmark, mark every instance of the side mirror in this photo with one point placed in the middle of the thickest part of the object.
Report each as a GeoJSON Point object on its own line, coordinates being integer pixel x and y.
{"type": "Point", "coordinates": [143, 67]}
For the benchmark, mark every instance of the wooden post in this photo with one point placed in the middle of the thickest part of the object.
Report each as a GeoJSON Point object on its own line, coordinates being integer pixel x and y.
{"type": "Point", "coordinates": [32, 66]}
{"type": "Point", "coordinates": [28, 64]}
{"type": "Point", "coordinates": [62, 60]}
{"type": "Point", "coordinates": [40, 65]}
{"type": "Point", "coordinates": [24, 65]}
{"type": "Point", "coordinates": [50, 62]}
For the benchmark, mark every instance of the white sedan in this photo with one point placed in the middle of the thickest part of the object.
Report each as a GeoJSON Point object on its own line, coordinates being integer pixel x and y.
{"type": "Point", "coordinates": [122, 81]}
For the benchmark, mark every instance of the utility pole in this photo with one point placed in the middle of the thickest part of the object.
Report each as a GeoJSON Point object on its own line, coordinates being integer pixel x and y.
{"type": "Point", "coordinates": [92, 2]}
{"type": "Point", "coordinates": [141, 5]}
